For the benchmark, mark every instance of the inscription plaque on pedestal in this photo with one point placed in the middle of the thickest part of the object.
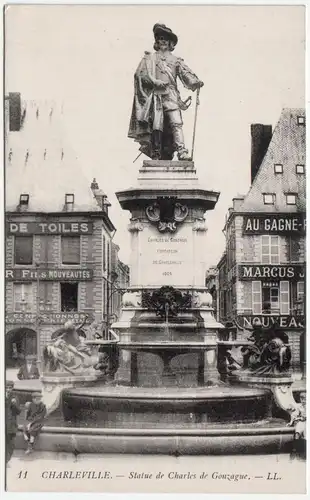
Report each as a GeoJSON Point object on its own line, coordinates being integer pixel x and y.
{"type": "Point", "coordinates": [166, 259]}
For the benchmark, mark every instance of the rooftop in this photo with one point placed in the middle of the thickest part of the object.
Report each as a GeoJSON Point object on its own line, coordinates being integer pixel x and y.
{"type": "Point", "coordinates": [41, 162]}
{"type": "Point", "coordinates": [287, 148]}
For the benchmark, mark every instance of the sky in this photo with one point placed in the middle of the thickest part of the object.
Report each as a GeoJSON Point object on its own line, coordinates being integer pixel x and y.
{"type": "Point", "coordinates": [251, 59]}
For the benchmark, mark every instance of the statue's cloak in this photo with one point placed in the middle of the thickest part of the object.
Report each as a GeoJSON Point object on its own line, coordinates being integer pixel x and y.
{"type": "Point", "coordinates": [149, 104]}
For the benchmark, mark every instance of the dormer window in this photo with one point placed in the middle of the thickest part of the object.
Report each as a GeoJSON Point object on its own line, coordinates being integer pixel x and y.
{"type": "Point", "coordinates": [301, 120]}
{"type": "Point", "coordinates": [278, 168]}
{"type": "Point", "coordinates": [69, 201]}
{"type": "Point", "coordinates": [24, 200]}
{"type": "Point", "coordinates": [269, 198]}
{"type": "Point", "coordinates": [300, 169]}
{"type": "Point", "coordinates": [291, 198]}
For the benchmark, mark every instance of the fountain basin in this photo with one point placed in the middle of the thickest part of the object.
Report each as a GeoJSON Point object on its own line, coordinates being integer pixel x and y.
{"type": "Point", "coordinates": [116, 406]}
{"type": "Point", "coordinates": [262, 438]}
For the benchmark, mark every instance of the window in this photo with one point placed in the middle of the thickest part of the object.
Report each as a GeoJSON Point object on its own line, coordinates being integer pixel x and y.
{"type": "Point", "coordinates": [270, 249]}
{"type": "Point", "coordinates": [69, 297]}
{"type": "Point", "coordinates": [295, 252]}
{"type": "Point", "coordinates": [70, 250]}
{"type": "Point", "coordinates": [108, 267]}
{"type": "Point", "coordinates": [291, 199]}
{"type": "Point", "coordinates": [69, 199]}
{"type": "Point", "coordinates": [301, 120]}
{"type": "Point", "coordinates": [23, 297]}
{"type": "Point", "coordinates": [300, 169]}
{"type": "Point", "coordinates": [256, 297]}
{"type": "Point", "coordinates": [23, 250]}
{"type": "Point", "coordinates": [269, 198]}
{"type": "Point", "coordinates": [24, 199]}
{"type": "Point", "coordinates": [104, 264]}
{"type": "Point", "coordinates": [271, 298]}
{"type": "Point", "coordinates": [278, 168]}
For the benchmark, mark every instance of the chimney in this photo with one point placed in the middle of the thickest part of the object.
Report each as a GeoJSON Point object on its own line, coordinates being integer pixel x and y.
{"type": "Point", "coordinates": [101, 197]}
{"type": "Point", "coordinates": [14, 111]}
{"type": "Point", "coordinates": [261, 137]}
{"type": "Point", "coordinates": [94, 185]}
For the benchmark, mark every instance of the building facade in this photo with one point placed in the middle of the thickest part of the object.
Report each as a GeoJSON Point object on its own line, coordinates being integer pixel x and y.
{"type": "Point", "coordinates": [58, 235]}
{"type": "Point", "coordinates": [261, 276]}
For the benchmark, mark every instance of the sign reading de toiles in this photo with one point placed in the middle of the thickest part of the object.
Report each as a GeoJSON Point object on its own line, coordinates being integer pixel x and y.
{"type": "Point", "coordinates": [275, 224]}
{"type": "Point", "coordinates": [24, 228]}
{"type": "Point", "coordinates": [49, 274]}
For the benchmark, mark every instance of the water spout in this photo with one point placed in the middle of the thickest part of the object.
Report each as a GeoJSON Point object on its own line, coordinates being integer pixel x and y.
{"type": "Point", "coordinates": [166, 327]}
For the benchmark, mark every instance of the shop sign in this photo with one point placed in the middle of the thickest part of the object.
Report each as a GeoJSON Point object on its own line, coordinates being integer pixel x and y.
{"type": "Point", "coordinates": [63, 274]}
{"type": "Point", "coordinates": [267, 272]}
{"type": "Point", "coordinates": [289, 224]}
{"type": "Point", "coordinates": [267, 321]}
{"type": "Point", "coordinates": [51, 227]}
{"type": "Point", "coordinates": [47, 318]}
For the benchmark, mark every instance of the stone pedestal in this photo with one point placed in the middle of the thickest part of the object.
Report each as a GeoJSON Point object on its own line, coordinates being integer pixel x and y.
{"type": "Point", "coordinates": [176, 345]}
{"type": "Point", "coordinates": [167, 225]}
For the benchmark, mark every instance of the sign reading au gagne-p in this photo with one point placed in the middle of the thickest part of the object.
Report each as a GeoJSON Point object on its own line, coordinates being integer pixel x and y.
{"type": "Point", "coordinates": [275, 224]}
{"type": "Point", "coordinates": [48, 228]}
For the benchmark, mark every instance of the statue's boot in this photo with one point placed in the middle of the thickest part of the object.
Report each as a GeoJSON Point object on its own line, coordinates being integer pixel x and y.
{"type": "Point", "coordinates": [156, 144]}
{"type": "Point", "coordinates": [178, 139]}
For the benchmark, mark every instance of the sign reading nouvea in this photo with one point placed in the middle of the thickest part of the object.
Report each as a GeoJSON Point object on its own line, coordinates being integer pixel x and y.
{"type": "Point", "coordinates": [49, 274]}
{"type": "Point", "coordinates": [51, 227]}
{"type": "Point", "coordinates": [286, 322]}
{"type": "Point", "coordinates": [252, 272]}
{"type": "Point", "coordinates": [275, 224]}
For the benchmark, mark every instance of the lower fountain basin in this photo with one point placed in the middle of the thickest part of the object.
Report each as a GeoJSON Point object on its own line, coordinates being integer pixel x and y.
{"type": "Point", "coordinates": [260, 438]}
{"type": "Point", "coordinates": [105, 406]}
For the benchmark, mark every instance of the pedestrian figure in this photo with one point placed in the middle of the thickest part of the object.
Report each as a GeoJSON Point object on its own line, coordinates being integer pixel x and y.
{"type": "Point", "coordinates": [298, 420]}
{"type": "Point", "coordinates": [29, 369]}
{"type": "Point", "coordinates": [35, 416]}
{"type": "Point", "coordinates": [12, 409]}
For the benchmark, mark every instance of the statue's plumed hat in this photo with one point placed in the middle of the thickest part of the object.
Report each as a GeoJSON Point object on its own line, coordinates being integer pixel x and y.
{"type": "Point", "coordinates": [162, 30]}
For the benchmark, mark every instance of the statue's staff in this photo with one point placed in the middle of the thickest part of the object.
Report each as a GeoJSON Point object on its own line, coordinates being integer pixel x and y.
{"type": "Point", "coordinates": [195, 121]}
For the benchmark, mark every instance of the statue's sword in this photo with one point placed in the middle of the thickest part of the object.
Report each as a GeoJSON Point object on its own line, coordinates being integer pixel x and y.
{"type": "Point", "coordinates": [195, 122]}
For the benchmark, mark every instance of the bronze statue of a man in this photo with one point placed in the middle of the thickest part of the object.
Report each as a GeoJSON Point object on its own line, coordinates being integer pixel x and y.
{"type": "Point", "coordinates": [156, 120]}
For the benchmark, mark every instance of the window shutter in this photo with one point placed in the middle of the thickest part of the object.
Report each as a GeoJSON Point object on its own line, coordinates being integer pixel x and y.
{"type": "Point", "coordinates": [300, 290]}
{"type": "Point", "coordinates": [256, 297]}
{"type": "Point", "coordinates": [43, 250]}
{"type": "Point", "coordinates": [70, 249]}
{"type": "Point", "coordinates": [284, 297]}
